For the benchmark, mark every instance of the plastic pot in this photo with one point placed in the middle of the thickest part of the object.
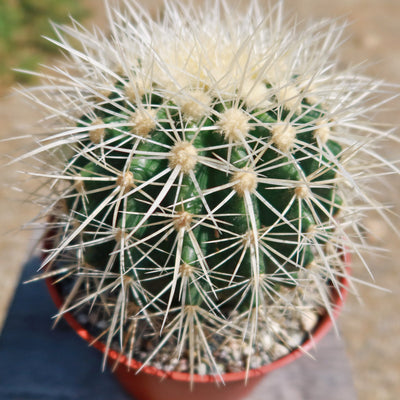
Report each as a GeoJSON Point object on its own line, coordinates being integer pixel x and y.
{"type": "Point", "coordinates": [154, 384]}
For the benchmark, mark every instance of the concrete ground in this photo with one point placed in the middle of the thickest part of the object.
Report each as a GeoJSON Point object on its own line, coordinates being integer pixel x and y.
{"type": "Point", "coordinates": [371, 330]}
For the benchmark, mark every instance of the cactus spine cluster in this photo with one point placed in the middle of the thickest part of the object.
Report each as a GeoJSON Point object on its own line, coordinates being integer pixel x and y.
{"type": "Point", "coordinates": [207, 174]}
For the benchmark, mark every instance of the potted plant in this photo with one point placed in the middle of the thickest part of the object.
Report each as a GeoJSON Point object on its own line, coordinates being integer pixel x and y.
{"type": "Point", "coordinates": [208, 171]}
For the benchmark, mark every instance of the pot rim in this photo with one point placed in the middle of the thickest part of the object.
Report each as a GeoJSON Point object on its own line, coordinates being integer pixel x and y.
{"type": "Point", "coordinates": [319, 332]}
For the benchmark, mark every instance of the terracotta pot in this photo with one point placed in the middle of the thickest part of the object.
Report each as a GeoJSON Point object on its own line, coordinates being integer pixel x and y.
{"type": "Point", "coordinates": [154, 384]}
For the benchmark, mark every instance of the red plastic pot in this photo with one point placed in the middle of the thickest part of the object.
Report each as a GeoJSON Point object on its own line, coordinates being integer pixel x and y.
{"type": "Point", "coordinates": [154, 384]}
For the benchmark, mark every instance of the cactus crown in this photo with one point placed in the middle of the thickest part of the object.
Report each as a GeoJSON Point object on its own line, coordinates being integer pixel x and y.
{"type": "Point", "coordinates": [208, 174]}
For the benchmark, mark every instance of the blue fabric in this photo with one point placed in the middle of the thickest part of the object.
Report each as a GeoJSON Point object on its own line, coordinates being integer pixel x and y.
{"type": "Point", "coordinates": [38, 363]}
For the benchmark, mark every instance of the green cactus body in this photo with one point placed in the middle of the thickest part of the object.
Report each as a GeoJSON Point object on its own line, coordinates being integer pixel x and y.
{"type": "Point", "coordinates": [274, 205]}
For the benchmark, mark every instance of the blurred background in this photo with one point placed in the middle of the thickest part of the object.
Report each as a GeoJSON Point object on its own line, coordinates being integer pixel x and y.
{"type": "Point", "coordinates": [370, 325]}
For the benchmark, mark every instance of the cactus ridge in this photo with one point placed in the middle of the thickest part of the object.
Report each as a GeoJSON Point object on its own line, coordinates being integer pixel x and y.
{"type": "Point", "coordinates": [209, 173]}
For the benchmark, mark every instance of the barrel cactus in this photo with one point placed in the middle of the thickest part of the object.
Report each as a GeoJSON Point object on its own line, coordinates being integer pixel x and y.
{"type": "Point", "coordinates": [207, 173]}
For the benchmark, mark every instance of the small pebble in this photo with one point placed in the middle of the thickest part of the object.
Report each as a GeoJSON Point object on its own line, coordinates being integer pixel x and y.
{"type": "Point", "coordinates": [82, 319]}
{"type": "Point", "coordinates": [102, 324]}
{"type": "Point", "coordinates": [183, 365]}
{"type": "Point", "coordinates": [278, 351]}
{"type": "Point", "coordinates": [256, 362]}
{"type": "Point", "coordinates": [235, 366]}
{"type": "Point", "coordinates": [295, 340]}
{"type": "Point", "coordinates": [275, 327]}
{"type": "Point", "coordinates": [174, 361]}
{"type": "Point", "coordinates": [202, 369]}
{"type": "Point", "coordinates": [233, 351]}
{"type": "Point", "coordinates": [221, 368]}
{"type": "Point", "coordinates": [247, 351]}
{"type": "Point", "coordinates": [266, 341]}
{"type": "Point", "coordinates": [309, 320]}
{"type": "Point", "coordinates": [158, 365]}
{"type": "Point", "coordinates": [265, 359]}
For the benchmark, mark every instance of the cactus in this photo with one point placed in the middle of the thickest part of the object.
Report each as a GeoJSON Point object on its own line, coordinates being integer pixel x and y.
{"type": "Point", "coordinates": [208, 173]}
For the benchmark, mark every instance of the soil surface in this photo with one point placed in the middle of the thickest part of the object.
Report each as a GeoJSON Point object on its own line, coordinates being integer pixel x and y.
{"type": "Point", "coordinates": [371, 328]}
